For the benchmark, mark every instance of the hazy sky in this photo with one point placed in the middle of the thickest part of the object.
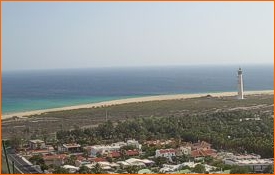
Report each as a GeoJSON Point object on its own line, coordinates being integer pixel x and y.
{"type": "Point", "coordinates": [99, 34]}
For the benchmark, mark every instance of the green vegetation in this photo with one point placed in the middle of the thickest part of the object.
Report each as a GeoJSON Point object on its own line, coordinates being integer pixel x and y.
{"type": "Point", "coordinates": [199, 168]}
{"type": "Point", "coordinates": [239, 126]}
{"type": "Point", "coordinates": [60, 170]}
{"type": "Point", "coordinates": [220, 165]}
{"type": "Point", "coordinates": [38, 160]}
{"type": "Point", "coordinates": [223, 129]}
{"type": "Point", "coordinates": [96, 170]}
{"type": "Point", "coordinates": [240, 170]}
{"type": "Point", "coordinates": [45, 125]}
{"type": "Point", "coordinates": [269, 169]}
{"type": "Point", "coordinates": [70, 160]}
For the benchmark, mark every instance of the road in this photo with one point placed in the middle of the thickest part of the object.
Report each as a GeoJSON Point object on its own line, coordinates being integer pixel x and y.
{"type": "Point", "coordinates": [22, 165]}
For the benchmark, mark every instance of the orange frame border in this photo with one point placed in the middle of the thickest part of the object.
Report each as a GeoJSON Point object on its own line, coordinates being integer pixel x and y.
{"type": "Point", "coordinates": [122, 1]}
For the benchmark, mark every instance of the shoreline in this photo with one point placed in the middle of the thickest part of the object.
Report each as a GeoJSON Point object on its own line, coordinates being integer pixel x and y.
{"type": "Point", "coordinates": [133, 100]}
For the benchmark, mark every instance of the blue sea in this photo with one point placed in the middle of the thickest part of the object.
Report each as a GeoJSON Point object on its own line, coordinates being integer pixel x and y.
{"type": "Point", "coordinates": [44, 89]}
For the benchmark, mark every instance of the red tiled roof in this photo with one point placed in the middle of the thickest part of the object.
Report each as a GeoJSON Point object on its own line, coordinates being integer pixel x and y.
{"type": "Point", "coordinates": [202, 153]}
{"type": "Point", "coordinates": [200, 145]}
{"type": "Point", "coordinates": [99, 159]}
{"type": "Point", "coordinates": [195, 153]}
{"type": "Point", "coordinates": [57, 156]}
{"type": "Point", "coordinates": [90, 159]}
{"type": "Point", "coordinates": [115, 154]}
{"type": "Point", "coordinates": [209, 152]}
{"type": "Point", "coordinates": [80, 158]}
{"type": "Point", "coordinates": [72, 145]}
{"type": "Point", "coordinates": [40, 151]}
{"type": "Point", "coordinates": [132, 152]}
{"type": "Point", "coordinates": [163, 151]}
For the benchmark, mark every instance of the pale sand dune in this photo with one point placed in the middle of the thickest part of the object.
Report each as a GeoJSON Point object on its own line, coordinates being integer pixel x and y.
{"type": "Point", "coordinates": [133, 100]}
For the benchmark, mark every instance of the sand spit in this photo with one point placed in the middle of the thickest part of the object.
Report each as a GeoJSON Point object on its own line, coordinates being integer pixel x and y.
{"type": "Point", "coordinates": [133, 100]}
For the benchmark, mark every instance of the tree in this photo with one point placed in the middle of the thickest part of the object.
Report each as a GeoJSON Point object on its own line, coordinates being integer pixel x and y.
{"type": "Point", "coordinates": [185, 167]}
{"type": "Point", "coordinates": [250, 136]}
{"type": "Point", "coordinates": [38, 146]}
{"type": "Point", "coordinates": [97, 169]}
{"type": "Point", "coordinates": [132, 169]}
{"type": "Point", "coordinates": [160, 161]}
{"type": "Point", "coordinates": [60, 170]}
{"type": "Point", "coordinates": [240, 170]}
{"type": "Point", "coordinates": [269, 169]}
{"type": "Point", "coordinates": [84, 170]}
{"type": "Point", "coordinates": [199, 168]}
{"type": "Point", "coordinates": [110, 159]}
{"type": "Point", "coordinates": [44, 167]}
{"type": "Point", "coordinates": [44, 134]}
{"type": "Point", "coordinates": [26, 131]}
{"type": "Point", "coordinates": [37, 159]}
{"type": "Point", "coordinates": [85, 153]}
{"type": "Point", "coordinates": [71, 160]}
{"type": "Point", "coordinates": [208, 159]}
{"type": "Point", "coordinates": [128, 147]}
{"type": "Point", "coordinates": [15, 141]}
{"type": "Point", "coordinates": [98, 154]}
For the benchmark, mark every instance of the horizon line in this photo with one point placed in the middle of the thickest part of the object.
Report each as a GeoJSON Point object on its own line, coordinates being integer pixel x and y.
{"type": "Point", "coordinates": [140, 66]}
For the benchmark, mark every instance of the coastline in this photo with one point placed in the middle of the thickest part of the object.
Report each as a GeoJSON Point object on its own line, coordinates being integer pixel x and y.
{"type": "Point", "coordinates": [134, 100]}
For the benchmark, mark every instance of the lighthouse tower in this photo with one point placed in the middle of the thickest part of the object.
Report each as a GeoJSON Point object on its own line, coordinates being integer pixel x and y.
{"type": "Point", "coordinates": [240, 84]}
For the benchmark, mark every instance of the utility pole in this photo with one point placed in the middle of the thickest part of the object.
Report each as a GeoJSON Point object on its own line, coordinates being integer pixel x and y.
{"type": "Point", "coordinates": [5, 152]}
{"type": "Point", "coordinates": [106, 115]}
{"type": "Point", "coordinates": [13, 167]}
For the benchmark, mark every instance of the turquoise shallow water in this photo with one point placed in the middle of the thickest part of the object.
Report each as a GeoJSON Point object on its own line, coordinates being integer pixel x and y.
{"type": "Point", "coordinates": [48, 104]}
{"type": "Point", "coordinates": [44, 89]}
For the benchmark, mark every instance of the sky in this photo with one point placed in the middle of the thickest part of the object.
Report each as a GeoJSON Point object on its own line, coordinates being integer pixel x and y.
{"type": "Point", "coordinates": [53, 35]}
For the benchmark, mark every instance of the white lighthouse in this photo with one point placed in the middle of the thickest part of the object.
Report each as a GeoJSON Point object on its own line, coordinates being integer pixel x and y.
{"type": "Point", "coordinates": [240, 84]}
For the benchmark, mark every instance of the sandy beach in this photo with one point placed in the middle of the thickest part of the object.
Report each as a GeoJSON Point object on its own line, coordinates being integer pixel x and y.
{"type": "Point", "coordinates": [134, 100]}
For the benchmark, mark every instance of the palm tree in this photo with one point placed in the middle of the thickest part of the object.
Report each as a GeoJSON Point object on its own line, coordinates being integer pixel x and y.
{"type": "Point", "coordinates": [60, 170]}
{"type": "Point", "coordinates": [97, 169]}
{"type": "Point", "coordinates": [85, 153]}
{"type": "Point", "coordinates": [70, 160]}
{"type": "Point", "coordinates": [84, 170]}
{"type": "Point", "coordinates": [132, 169]}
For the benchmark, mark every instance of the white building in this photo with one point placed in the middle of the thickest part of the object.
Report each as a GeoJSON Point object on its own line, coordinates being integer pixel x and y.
{"type": "Point", "coordinates": [134, 143]}
{"type": "Point", "coordinates": [135, 162]}
{"type": "Point", "coordinates": [257, 164]}
{"type": "Point", "coordinates": [168, 153]}
{"type": "Point", "coordinates": [107, 165]}
{"type": "Point", "coordinates": [102, 149]}
{"type": "Point", "coordinates": [72, 169]}
{"type": "Point", "coordinates": [186, 150]}
{"type": "Point", "coordinates": [105, 149]}
{"type": "Point", "coordinates": [72, 148]}
{"type": "Point", "coordinates": [37, 144]}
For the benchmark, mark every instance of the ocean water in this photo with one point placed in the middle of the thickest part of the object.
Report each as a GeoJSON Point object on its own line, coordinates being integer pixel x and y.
{"type": "Point", "coordinates": [44, 89]}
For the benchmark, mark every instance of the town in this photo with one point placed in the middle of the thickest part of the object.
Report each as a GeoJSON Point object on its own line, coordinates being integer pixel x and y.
{"type": "Point", "coordinates": [170, 156]}
{"type": "Point", "coordinates": [225, 141]}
